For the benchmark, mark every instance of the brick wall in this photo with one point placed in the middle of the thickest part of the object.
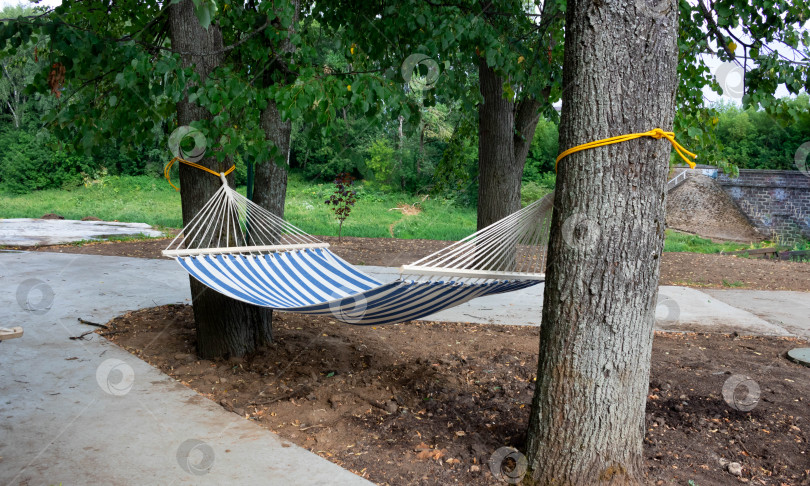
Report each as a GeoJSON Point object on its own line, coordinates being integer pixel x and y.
{"type": "Point", "coordinates": [776, 201]}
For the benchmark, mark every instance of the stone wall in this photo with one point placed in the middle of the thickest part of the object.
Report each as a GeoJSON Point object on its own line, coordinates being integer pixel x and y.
{"type": "Point", "coordinates": [776, 201]}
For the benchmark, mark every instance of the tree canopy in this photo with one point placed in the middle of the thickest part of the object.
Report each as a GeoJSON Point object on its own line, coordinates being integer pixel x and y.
{"type": "Point", "coordinates": [109, 72]}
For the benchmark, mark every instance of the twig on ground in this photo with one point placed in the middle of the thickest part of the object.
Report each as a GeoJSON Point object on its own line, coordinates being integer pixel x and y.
{"type": "Point", "coordinates": [92, 324]}
{"type": "Point", "coordinates": [81, 336]}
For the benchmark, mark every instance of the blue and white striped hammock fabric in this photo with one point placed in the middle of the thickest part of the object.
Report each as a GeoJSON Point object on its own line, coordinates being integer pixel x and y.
{"type": "Point", "coordinates": [316, 281]}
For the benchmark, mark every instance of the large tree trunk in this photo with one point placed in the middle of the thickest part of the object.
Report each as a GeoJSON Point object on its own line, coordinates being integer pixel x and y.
{"type": "Point", "coordinates": [587, 418]}
{"type": "Point", "coordinates": [225, 327]}
{"type": "Point", "coordinates": [505, 132]}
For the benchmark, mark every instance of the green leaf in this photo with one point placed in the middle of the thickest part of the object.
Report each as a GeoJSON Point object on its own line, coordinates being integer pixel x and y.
{"type": "Point", "coordinates": [205, 12]}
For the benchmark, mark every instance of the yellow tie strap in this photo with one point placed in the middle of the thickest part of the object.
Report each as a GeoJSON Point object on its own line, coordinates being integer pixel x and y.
{"type": "Point", "coordinates": [655, 133]}
{"type": "Point", "coordinates": [168, 168]}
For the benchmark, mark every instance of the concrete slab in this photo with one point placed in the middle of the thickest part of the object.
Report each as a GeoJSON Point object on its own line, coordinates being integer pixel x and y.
{"type": "Point", "coordinates": [789, 310]}
{"type": "Point", "coordinates": [32, 232]}
{"type": "Point", "coordinates": [687, 309]}
{"type": "Point", "coordinates": [88, 412]}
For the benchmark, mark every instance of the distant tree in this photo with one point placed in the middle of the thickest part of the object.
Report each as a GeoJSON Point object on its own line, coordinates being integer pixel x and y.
{"type": "Point", "coordinates": [16, 71]}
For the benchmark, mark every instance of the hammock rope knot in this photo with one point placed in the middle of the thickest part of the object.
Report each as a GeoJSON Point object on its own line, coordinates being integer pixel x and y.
{"type": "Point", "coordinates": [168, 168]}
{"type": "Point", "coordinates": [656, 133]}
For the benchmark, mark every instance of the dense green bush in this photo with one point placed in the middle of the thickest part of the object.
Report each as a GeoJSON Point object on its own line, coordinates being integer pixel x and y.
{"type": "Point", "coordinates": [542, 152]}
{"type": "Point", "coordinates": [533, 190]}
{"type": "Point", "coordinates": [33, 160]}
{"type": "Point", "coordinates": [753, 139]}
{"type": "Point", "coordinates": [30, 163]}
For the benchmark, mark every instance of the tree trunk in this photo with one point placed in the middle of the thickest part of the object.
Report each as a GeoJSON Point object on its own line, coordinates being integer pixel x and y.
{"type": "Point", "coordinates": [225, 327]}
{"type": "Point", "coordinates": [271, 177]}
{"type": "Point", "coordinates": [505, 132]}
{"type": "Point", "coordinates": [587, 419]}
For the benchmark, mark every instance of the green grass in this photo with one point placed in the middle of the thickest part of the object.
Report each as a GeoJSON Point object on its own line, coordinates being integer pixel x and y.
{"type": "Point", "coordinates": [131, 199]}
{"type": "Point", "coordinates": [150, 200]}
{"type": "Point", "coordinates": [376, 213]}
{"type": "Point", "coordinates": [684, 242]}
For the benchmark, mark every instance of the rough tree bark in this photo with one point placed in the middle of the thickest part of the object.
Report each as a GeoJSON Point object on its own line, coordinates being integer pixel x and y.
{"type": "Point", "coordinates": [587, 419]}
{"type": "Point", "coordinates": [225, 327]}
{"type": "Point", "coordinates": [271, 177]}
{"type": "Point", "coordinates": [505, 132]}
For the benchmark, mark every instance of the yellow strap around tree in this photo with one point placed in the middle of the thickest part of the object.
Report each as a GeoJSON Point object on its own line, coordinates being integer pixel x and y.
{"type": "Point", "coordinates": [168, 168]}
{"type": "Point", "coordinates": [655, 133]}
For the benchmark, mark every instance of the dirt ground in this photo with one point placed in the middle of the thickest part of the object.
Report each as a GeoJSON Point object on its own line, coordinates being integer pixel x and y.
{"type": "Point", "coordinates": [686, 269]}
{"type": "Point", "coordinates": [701, 207]}
{"type": "Point", "coordinates": [429, 403]}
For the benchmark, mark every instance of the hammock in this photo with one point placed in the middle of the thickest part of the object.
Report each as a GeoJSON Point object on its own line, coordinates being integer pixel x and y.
{"type": "Point", "coordinates": [241, 250]}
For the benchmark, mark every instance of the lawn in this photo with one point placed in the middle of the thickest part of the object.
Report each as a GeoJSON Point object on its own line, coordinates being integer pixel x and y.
{"type": "Point", "coordinates": [677, 241]}
{"type": "Point", "coordinates": [150, 200]}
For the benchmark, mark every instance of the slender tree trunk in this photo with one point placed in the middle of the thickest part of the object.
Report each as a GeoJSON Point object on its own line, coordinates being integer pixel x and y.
{"type": "Point", "coordinates": [271, 177]}
{"type": "Point", "coordinates": [587, 419]}
{"type": "Point", "coordinates": [225, 327]}
{"type": "Point", "coordinates": [400, 150]}
{"type": "Point", "coordinates": [505, 132]}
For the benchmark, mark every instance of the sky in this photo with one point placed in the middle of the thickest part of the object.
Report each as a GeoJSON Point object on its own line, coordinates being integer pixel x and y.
{"type": "Point", "coordinates": [732, 77]}
{"type": "Point", "coordinates": [51, 3]}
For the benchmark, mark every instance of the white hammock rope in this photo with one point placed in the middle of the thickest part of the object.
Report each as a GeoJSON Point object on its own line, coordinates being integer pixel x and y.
{"type": "Point", "coordinates": [230, 223]}
{"type": "Point", "coordinates": [513, 248]}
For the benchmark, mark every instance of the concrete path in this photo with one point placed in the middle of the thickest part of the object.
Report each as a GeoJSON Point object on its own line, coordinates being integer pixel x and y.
{"type": "Point", "coordinates": [87, 412]}
{"type": "Point", "coordinates": [788, 310]}
{"type": "Point", "coordinates": [31, 232]}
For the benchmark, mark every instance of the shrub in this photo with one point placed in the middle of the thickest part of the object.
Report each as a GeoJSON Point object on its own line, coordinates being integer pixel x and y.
{"type": "Point", "coordinates": [30, 164]}
{"type": "Point", "coordinates": [532, 191]}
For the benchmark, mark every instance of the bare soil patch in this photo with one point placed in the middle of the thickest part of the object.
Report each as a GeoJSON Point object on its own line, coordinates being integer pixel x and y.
{"type": "Point", "coordinates": [687, 269]}
{"type": "Point", "coordinates": [701, 207]}
{"type": "Point", "coordinates": [429, 403]}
